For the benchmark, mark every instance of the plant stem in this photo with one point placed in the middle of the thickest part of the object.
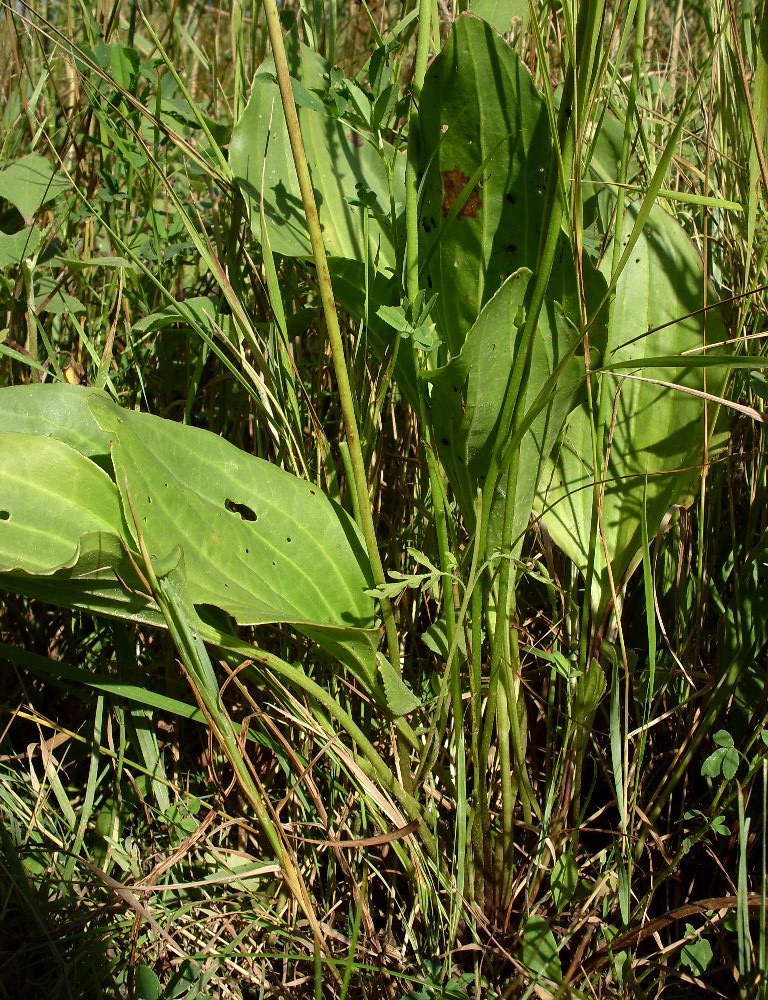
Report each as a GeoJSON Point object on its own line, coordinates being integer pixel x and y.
{"type": "Point", "coordinates": [332, 323]}
{"type": "Point", "coordinates": [411, 176]}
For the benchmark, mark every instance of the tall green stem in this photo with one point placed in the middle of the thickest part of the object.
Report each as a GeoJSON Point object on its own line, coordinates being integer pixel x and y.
{"type": "Point", "coordinates": [411, 175]}
{"type": "Point", "coordinates": [360, 483]}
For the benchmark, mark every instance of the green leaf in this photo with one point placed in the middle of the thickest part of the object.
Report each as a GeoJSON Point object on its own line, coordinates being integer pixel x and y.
{"type": "Point", "coordinates": [51, 497]}
{"type": "Point", "coordinates": [121, 62]}
{"type": "Point", "coordinates": [715, 764]}
{"type": "Point", "coordinates": [468, 395]}
{"type": "Point", "coordinates": [590, 689]}
{"type": "Point", "coordinates": [86, 263]}
{"type": "Point", "coordinates": [52, 298]}
{"type": "Point", "coordinates": [29, 183]}
{"type": "Point", "coordinates": [656, 434]}
{"type": "Point", "coordinates": [58, 411]}
{"type": "Point", "coordinates": [539, 951]}
{"type": "Point", "coordinates": [340, 161]}
{"type": "Point", "coordinates": [146, 984]}
{"type": "Point", "coordinates": [258, 543]}
{"type": "Point", "coordinates": [15, 247]}
{"type": "Point", "coordinates": [480, 118]}
{"type": "Point", "coordinates": [723, 738]}
{"type": "Point", "coordinates": [203, 308]}
{"type": "Point", "coordinates": [730, 762]}
{"type": "Point", "coordinates": [400, 699]}
{"type": "Point", "coordinates": [697, 951]}
{"type": "Point", "coordinates": [720, 826]}
{"type": "Point", "coordinates": [500, 13]}
{"type": "Point", "coordinates": [395, 317]}
{"type": "Point", "coordinates": [118, 688]}
{"type": "Point", "coordinates": [61, 522]}
{"type": "Point", "coordinates": [564, 880]}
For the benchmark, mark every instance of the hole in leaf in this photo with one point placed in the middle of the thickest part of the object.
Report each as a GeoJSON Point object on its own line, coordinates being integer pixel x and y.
{"type": "Point", "coordinates": [242, 509]}
{"type": "Point", "coordinates": [289, 539]}
{"type": "Point", "coordinates": [5, 515]}
{"type": "Point", "coordinates": [511, 248]}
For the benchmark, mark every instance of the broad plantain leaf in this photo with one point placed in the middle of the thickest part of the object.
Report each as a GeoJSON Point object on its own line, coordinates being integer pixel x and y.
{"type": "Point", "coordinates": [257, 543]}
{"type": "Point", "coordinates": [61, 522]}
{"type": "Point", "coordinates": [50, 497]}
{"type": "Point", "coordinates": [468, 396]}
{"type": "Point", "coordinates": [656, 433]}
{"type": "Point", "coordinates": [480, 116]}
{"type": "Point", "coordinates": [346, 171]}
{"type": "Point", "coordinates": [500, 13]}
{"type": "Point", "coordinates": [57, 411]}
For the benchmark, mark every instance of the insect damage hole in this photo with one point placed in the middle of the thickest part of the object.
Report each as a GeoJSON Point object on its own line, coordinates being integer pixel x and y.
{"type": "Point", "coordinates": [5, 515]}
{"type": "Point", "coordinates": [245, 512]}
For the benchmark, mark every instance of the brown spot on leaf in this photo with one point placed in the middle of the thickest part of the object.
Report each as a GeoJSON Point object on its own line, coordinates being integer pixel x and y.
{"type": "Point", "coordinates": [454, 182]}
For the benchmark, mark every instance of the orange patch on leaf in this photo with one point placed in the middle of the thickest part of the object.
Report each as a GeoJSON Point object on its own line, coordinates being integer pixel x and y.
{"type": "Point", "coordinates": [454, 182]}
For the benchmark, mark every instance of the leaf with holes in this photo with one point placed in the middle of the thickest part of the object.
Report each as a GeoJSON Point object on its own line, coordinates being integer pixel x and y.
{"type": "Point", "coordinates": [484, 147]}
{"type": "Point", "coordinates": [258, 543]}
